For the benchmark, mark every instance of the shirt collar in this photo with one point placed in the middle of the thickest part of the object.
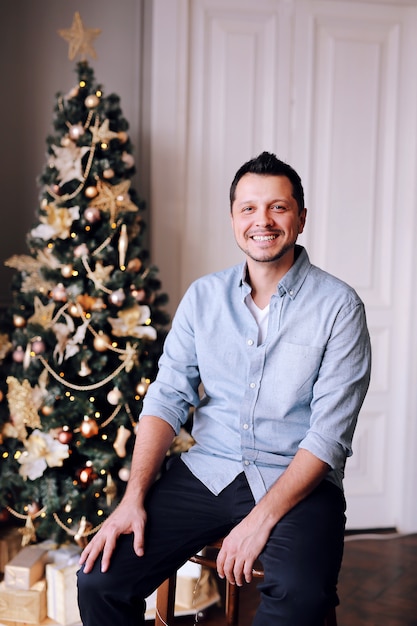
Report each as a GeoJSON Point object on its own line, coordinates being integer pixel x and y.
{"type": "Point", "coordinates": [292, 282]}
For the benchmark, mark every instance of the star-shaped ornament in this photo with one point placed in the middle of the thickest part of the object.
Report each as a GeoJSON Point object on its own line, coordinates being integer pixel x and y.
{"type": "Point", "coordinates": [101, 273]}
{"type": "Point", "coordinates": [43, 313]}
{"type": "Point", "coordinates": [80, 39]}
{"type": "Point", "coordinates": [114, 199]}
{"type": "Point", "coordinates": [103, 134]}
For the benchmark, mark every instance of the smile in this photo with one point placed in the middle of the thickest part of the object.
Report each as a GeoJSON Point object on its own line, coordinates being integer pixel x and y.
{"type": "Point", "coordinates": [264, 237]}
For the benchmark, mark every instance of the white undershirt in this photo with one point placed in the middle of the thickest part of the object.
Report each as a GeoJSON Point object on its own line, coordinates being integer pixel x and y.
{"type": "Point", "coordinates": [261, 316]}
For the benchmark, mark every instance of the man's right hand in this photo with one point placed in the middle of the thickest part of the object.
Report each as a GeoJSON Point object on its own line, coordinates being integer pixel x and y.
{"type": "Point", "coordinates": [128, 517]}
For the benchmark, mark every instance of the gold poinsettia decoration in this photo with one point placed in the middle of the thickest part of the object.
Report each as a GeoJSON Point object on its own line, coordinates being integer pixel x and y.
{"type": "Point", "coordinates": [5, 346]}
{"type": "Point", "coordinates": [23, 409]}
{"type": "Point", "coordinates": [56, 223]}
{"type": "Point", "coordinates": [133, 322]}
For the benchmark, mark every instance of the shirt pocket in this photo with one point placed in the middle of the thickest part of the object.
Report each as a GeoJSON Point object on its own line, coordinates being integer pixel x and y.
{"type": "Point", "coordinates": [291, 371]}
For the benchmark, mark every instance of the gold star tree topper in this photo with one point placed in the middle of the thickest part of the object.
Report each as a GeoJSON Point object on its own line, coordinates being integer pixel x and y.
{"type": "Point", "coordinates": [80, 39]}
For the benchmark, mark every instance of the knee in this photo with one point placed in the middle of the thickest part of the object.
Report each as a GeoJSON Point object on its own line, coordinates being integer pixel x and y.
{"type": "Point", "coordinates": [93, 584]}
{"type": "Point", "coordinates": [290, 602]}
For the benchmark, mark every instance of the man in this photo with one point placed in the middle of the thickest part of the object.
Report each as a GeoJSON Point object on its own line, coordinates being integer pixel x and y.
{"type": "Point", "coordinates": [281, 350]}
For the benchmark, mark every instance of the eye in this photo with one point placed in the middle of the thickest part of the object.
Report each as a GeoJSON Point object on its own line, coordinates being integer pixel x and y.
{"type": "Point", "coordinates": [247, 209]}
{"type": "Point", "coordinates": [279, 208]}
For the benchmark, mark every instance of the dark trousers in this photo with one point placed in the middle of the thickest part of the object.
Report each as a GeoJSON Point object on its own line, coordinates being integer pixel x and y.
{"type": "Point", "coordinates": [301, 559]}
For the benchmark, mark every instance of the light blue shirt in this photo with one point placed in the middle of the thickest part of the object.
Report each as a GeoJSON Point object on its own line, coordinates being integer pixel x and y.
{"type": "Point", "coordinates": [302, 387]}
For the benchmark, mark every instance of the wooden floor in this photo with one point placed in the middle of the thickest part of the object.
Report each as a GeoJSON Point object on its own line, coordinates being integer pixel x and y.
{"type": "Point", "coordinates": [377, 586]}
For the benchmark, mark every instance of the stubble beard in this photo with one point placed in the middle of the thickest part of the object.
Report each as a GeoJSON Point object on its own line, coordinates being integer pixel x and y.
{"type": "Point", "coordinates": [267, 257]}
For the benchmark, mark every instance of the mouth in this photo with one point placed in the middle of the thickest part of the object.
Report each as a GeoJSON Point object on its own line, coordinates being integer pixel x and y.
{"type": "Point", "coordinates": [264, 237]}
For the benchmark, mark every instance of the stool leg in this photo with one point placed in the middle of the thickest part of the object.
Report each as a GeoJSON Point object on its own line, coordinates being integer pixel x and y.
{"type": "Point", "coordinates": [165, 602]}
{"type": "Point", "coordinates": [232, 604]}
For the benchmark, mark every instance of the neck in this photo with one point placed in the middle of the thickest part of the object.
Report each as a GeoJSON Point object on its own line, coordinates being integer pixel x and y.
{"type": "Point", "coordinates": [264, 278]}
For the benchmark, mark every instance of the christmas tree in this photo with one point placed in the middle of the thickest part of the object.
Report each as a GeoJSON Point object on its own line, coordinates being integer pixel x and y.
{"type": "Point", "coordinates": [80, 343]}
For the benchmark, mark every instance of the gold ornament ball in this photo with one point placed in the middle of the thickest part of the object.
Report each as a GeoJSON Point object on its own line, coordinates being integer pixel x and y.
{"type": "Point", "coordinates": [90, 191]}
{"type": "Point", "coordinates": [134, 265]}
{"type": "Point", "coordinates": [19, 321]}
{"type": "Point", "coordinates": [89, 427]}
{"type": "Point", "coordinates": [1, 396]}
{"type": "Point", "coordinates": [92, 101]}
{"type": "Point", "coordinates": [47, 410]}
{"type": "Point", "coordinates": [76, 131]}
{"type": "Point", "coordinates": [86, 475]}
{"type": "Point", "coordinates": [122, 135]}
{"type": "Point", "coordinates": [73, 310]}
{"type": "Point", "coordinates": [142, 387]}
{"type": "Point", "coordinates": [101, 342]}
{"type": "Point", "coordinates": [66, 270]}
{"type": "Point", "coordinates": [108, 173]}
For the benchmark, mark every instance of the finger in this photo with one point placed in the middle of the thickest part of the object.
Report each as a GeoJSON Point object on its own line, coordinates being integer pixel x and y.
{"type": "Point", "coordinates": [238, 573]}
{"type": "Point", "coordinates": [138, 541]}
{"type": "Point", "coordinates": [220, 564]}
{"type": "Point", "coordinates": [108, 550]}
{"type": "Point", "coordinates": [247, 572]}
{"type": "Point", "coordinates": [90, 555]}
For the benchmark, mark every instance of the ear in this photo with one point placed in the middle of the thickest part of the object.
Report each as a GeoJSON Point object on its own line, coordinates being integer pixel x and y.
{"type": "Point", "coordinates": [302, 221]}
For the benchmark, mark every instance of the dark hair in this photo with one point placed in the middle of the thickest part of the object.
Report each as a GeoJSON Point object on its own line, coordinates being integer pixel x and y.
{"type": "Point", "coordinates": [267, 164]}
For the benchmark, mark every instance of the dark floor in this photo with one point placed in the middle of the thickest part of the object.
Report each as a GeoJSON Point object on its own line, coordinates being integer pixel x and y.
{"type": "Point", "coordinates": [377, 587]}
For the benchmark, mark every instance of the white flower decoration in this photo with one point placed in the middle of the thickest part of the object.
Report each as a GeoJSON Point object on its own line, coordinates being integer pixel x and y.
{"type": "Point", "coordinates": [42, 451]}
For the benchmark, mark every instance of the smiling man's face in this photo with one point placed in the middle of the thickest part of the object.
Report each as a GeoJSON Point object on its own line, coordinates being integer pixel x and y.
{"type": "Point", "coordinates": [265, 218]}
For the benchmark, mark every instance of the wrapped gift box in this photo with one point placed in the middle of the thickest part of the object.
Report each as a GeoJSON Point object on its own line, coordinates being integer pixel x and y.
{"type": "Point", "coordinates": [23, 605]}
{"type": "Point", "coordinates": [62, 593]}
{"type": "Point", "coordinates": [25, 568]}
{"type": "Point", "coordinates": [10, 544]}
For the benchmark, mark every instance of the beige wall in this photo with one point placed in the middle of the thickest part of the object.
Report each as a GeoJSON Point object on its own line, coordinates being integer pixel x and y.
{"type": "Point", "coordinates": [34, 66]}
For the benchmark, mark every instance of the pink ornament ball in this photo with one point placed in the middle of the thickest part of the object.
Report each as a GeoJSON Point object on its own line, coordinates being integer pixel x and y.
{"type": "Point", "coordinates": [92, 214]}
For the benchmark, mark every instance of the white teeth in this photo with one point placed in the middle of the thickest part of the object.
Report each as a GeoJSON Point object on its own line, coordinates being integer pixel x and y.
{"type": "Point", "coordinates": [263, 237]}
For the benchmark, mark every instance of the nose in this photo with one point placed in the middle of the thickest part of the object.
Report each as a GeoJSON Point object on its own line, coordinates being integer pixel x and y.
{"type": "Point", "coordinates": [263, 217]}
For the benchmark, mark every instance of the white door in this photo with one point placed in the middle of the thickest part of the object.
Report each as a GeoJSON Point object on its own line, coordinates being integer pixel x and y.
{"type": "Point", "coordinates": [330, 87]}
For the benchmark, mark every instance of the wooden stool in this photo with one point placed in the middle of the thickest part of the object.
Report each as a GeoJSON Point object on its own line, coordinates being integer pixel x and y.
{"type": "Point", "coordinates": [165, 597]}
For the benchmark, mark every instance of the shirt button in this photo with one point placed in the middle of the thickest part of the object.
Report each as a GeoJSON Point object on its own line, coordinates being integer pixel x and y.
{"type": "Point", "coordinates": [250, 342]}
{"type": "Point", "coordinates": [252, 385]}
{"type": "Point", "coordinates": [246, 462]}
{"type": "Point", "coordinates": [291, 292]}
{"type": "Point", "coordinates": [245, 426]}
